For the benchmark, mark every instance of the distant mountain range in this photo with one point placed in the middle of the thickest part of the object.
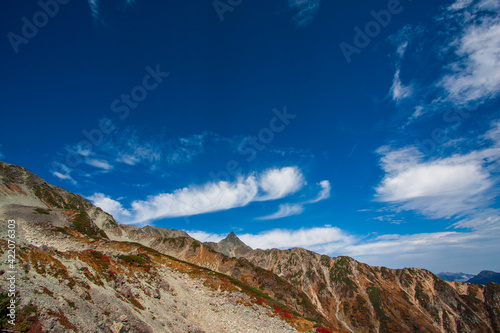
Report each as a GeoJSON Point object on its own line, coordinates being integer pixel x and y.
{"type": "Point", "coordinates": [484, 277]}
{"type": "Point", "coordinates": [77, 263]}
{"type": "Point", "coordinates": [460, 277]}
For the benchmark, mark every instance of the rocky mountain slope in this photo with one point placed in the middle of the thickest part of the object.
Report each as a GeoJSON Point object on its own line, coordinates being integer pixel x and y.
{"type": "Point", "coordinates": [95, 268]}
{"type": "Point", "coordinates": [396, 300]}
{"type": "Point", "coordinates": [356, 297]}
{"type": "Point", "coordinates": [78, 270]}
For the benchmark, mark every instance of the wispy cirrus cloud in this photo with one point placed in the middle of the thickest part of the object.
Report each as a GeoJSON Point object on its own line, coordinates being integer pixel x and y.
{"type": "Point", "coordinates": [65, 174]}
{"type": "Point", "coordinates": [98, 8]}
{"type": "Point", "coordinates": [126, 148]}
{"type": "Point", "coordinates": [285, 210]}
{"type": "Point", "coordinates": [130, 148]}
{"type": "Point", "coordinates": [211, 197]}
{"type": "Point", "coordinates": [465, 59]}
{"type": "Point", "coordinates": [324, 193]}
{"type": "Point", "coordinates": [399, 91]}
{"type": "Point", "coordinates": [306, 11]}
{"type": "Point", "coordinates": [100, 164]}
{"type": "Point", "coordinates": [474, 76]}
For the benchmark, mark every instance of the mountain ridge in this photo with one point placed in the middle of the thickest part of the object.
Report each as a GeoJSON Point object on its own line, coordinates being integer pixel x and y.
{"type": "Point", "coordinates": [339, 293]}
{"type": "Point", "coordinates": [485, 277]}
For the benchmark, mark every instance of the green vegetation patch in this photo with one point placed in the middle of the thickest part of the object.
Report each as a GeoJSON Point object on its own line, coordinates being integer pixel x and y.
{"type": "Point", "coordinates": [195, 244]}
{"type": "Point", "coordinates": [325, 260]}
{"type": "Point", "coordinates": [374, 294]}
{"type": "Point", "coordinates": [135, 259]}
{"type": "Point", "coordinates": [83, 224]}
{"type": "Point", "coordinates": [27, 318]}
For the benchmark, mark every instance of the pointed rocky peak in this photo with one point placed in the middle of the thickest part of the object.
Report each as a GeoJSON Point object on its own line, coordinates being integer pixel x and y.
{"type": "Point", "coordinates": [232, 237]}
{"type": "Point", "coordinates": [232, 246]}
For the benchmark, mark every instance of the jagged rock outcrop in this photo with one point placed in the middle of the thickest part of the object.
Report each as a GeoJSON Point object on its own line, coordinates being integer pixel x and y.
{"type": "Point", "coordinates": [230, 246]}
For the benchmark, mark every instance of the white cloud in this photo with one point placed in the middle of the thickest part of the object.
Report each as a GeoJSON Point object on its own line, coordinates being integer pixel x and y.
{"type": "Point", "coordinates": [284, 211]}
{"type": "Point", "coordinates": [65, 173]}
{"type": "Point", "coordinates": [444, 187]}
{"type": "Point", "coordinates": [109, 205]}
{"type": "Point", "coordinates": [310, 238]}
{"type": "Point", "coordinates": [214, 196]}
{"type": "Point", "coordinates": [189, 201]}
{"type": "Point", "coordinates": [324, 193]}
{"type": "Point", "coordinates": [64, 177]}
{"type": "Point", "coordinates": [419, 112]}
{"type": "Point", "coordinates": [470, 251]}
{"type": "Point", "coordinates": [399, 91]}
{"type": "Point", "coordinates": [203, 236]}
{"type": "Point", "coordinates": [465, 59]}
{"type": "Point", "coordinates": [493, 135]}
{"type": "Point", "coordinates": [306, 10]}
{"type": "Point", "coordinates": [129, 148]}
{"type": "Point", "coordinates": [460, 4]}
{"type": "Point", "coordinates": [128, 159]}
{"type": "Point", "coordinates": [325, 239]}
{"type": "Point", "coordinates": [489, 4]}
{"type": "Point", "coordinates": [279, 183]}
{"type": "Point", "coordinates": [475, 76]}
{"type": "Point", "coordinates": [101, 164]}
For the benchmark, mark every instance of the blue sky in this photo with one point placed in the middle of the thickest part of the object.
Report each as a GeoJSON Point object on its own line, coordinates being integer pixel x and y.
{"type": "Point", "coordinates": [368, 129]}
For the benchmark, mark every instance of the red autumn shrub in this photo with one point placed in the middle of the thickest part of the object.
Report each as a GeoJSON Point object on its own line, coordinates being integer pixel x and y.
{"type": "Point", "coordinates": [287, 315]}
{"type": "Point", "coordinates": [323, 330]}
{"type": "Point", "coordinates": [112, 273]}
{"type": "Point", "coordinates": [259, 301]}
